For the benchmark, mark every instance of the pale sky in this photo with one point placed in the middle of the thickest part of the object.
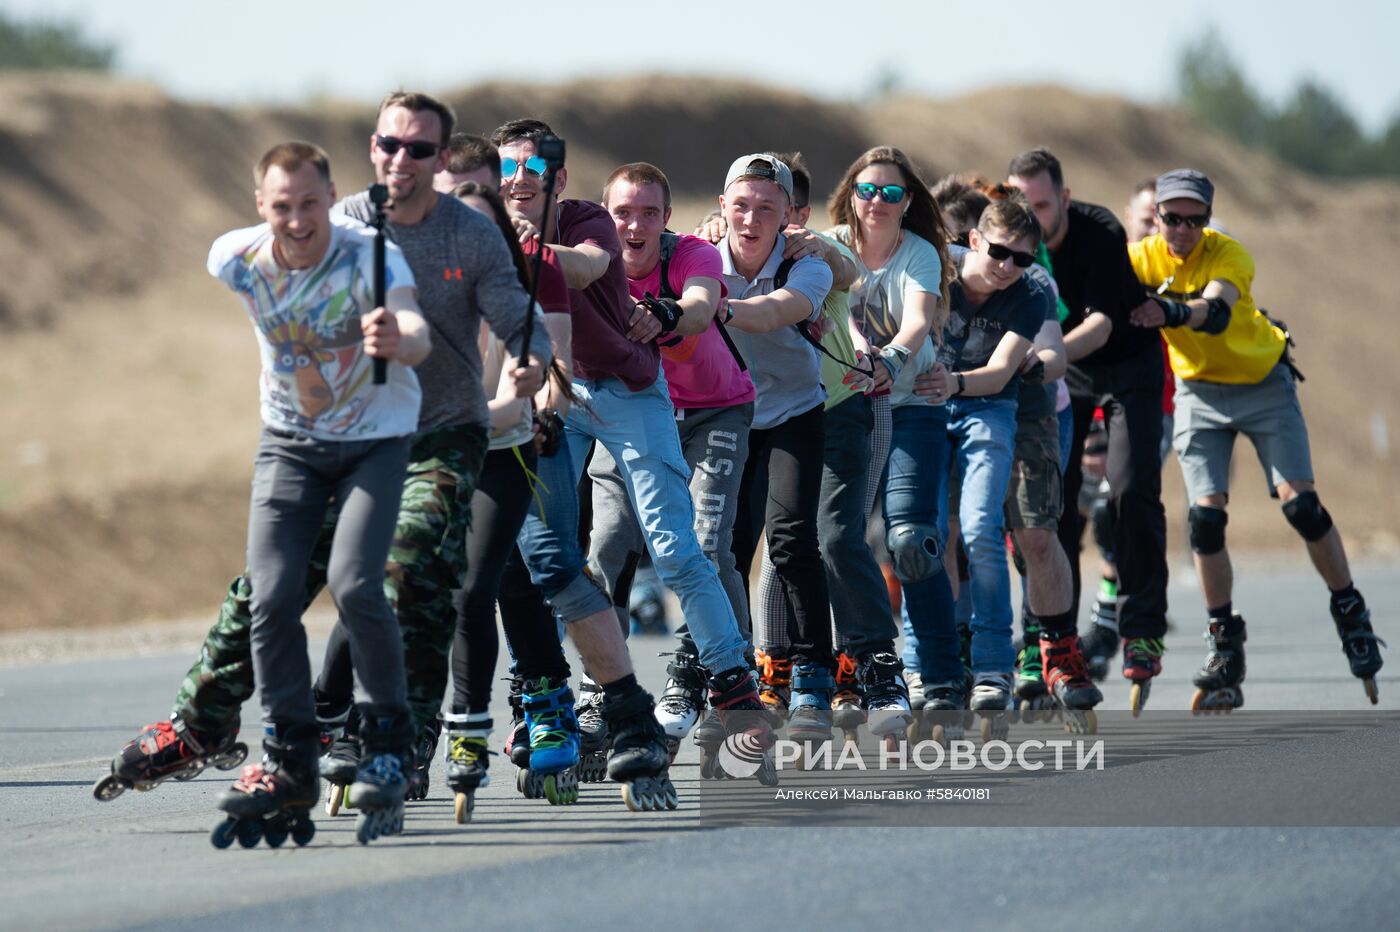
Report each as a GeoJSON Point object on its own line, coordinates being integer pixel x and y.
{"type": "Point", "coordinates": [356, 49]}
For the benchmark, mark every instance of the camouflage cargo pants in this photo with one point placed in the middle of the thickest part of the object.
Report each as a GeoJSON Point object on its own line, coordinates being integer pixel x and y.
{"type": "Point", "coordinates": [426, 562]}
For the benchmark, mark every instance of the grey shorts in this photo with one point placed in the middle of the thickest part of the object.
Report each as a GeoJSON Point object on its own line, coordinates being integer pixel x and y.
{"type": "Point", "coordinates": [1209, 415]}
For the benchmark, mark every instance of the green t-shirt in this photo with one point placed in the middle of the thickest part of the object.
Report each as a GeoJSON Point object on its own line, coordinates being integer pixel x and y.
{"type": "Point", "coordinates": [837, 309]}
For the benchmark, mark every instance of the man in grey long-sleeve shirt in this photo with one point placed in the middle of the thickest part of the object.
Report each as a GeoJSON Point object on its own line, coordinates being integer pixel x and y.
{"type": "Point", "coordinates": [464, 273]}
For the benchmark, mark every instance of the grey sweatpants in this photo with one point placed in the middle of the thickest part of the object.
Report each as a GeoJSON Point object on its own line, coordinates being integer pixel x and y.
{"type": "Point", "coordinates": [715, 444]}
{"type": "Point", "coordinates": [295, 478]}
{"type": "Point", "coordinates": [857, 446]}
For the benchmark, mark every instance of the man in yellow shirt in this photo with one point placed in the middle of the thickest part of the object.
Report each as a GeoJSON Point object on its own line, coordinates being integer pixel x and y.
{"type": "Point", "coordinates": [1233, 377]}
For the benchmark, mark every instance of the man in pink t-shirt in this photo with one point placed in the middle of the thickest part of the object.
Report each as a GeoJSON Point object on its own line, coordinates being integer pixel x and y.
{"type": "Point", "coordinates": [713, 397]}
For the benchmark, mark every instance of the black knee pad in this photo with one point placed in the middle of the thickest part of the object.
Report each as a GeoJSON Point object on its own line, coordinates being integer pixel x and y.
{"type": "Point", "coordinates": [1308, 517]}
{"type": "Point", "coordinates": [1205, 525]}
{"type": "Point", "coordinates": [915, 552]}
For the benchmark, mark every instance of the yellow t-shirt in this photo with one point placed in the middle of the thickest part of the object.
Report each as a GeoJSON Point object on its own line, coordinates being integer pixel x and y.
{"type": "Point", "coordinates": [1249, 347]}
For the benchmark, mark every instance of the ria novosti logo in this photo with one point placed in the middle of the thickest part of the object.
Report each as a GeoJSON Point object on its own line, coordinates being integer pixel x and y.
{"type": "Point", "coordinates": [742, 755]}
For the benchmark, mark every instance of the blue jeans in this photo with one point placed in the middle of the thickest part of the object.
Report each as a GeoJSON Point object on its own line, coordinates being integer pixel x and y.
{"type": "Point", "coordinates": [639, 430]}
{"type": "Point", "coordinates": [917, 468]}
{"type": "Point", "coordinates": [982, 433]}
{"type": "Point", "coordinates": [1066, 419]}
{"type": "Point", "coordinates": [548, 541]}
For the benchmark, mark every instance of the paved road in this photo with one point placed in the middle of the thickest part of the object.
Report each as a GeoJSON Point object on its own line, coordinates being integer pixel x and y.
{"type": "Point", "coordinates": [67, 861]}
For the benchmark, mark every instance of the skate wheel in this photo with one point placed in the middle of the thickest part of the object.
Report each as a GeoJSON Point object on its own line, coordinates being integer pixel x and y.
{"type": "Point", "coordinates": [1372, 693]}
{"type": "Point", "coordinates": [233, 757]}
{"type": "Point", "coordinates": [109, 788]}
{"type": "Point", "coordinates": [643, 794]}
{"type": "Point", "coordinates": [250, 832]}
{"type": "Point", "coordinates": [223, 834]}
{"type": "Point", "coordinates": [303, 830]}
{"type": "Point", "coordinates": [334, 797]}
{"type": "Point", "coordinates": [669, 797]}
{"type": "Point", "coordinates": [1084, 722]}
{"type": "Point", "coordinates": [995, 727]}
{"type": "Point", "coordinates": [276, 830]}
{"type": "Point", "coordinates": [184, 776]}
{"type": "Point", "coordinates": [891, 744]}
{"type": "Point", "coordinates": [366, 828]}
{"type": "Point", "coordinates": [463, 806]}
{"type": "Point", "coordinates": [1137, 697]}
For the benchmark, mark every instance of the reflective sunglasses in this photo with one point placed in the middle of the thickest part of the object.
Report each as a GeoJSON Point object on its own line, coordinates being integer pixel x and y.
{"type": "Point", "coordinates": [889, 193]}
{"type": "Point", "coordinates": [1195, 221]}
{"type": "Point", "coordinates": [417, 150]}
{"type": "Point", "coordinates": [534, 165]}
{"type": "Point", "coordinates": [1000, 253]}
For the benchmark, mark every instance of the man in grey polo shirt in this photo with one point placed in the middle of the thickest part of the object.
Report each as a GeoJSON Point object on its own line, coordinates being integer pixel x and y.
{"type": "Point", "coordinates": [769, 299]}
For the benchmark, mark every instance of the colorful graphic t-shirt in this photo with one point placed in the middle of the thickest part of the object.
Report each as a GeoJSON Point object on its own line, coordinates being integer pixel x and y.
{"type": "Point", "coordinates": [701, 371]}
{"type": "Point", "coordinates": [316, 378]}
{"type": "Point", "coordinates": [1250, 346]}
{"type": "Point", "coordinates": [879, 295]}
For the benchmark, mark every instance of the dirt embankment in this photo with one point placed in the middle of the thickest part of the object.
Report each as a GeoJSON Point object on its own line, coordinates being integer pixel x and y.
{"type": "Point", "coordinates": [126, 442]}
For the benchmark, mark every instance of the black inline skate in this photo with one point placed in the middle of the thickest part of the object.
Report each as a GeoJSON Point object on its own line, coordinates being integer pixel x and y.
{"type": "Point", "coordinates": [594, 739]}
{"type": "Point", "coordinates": [340, 762]}
{"type": "Point", "coordinates": [272, 800]}
{"type": "Point", "coordinates": [386, 736]}
{"type": "Point", "coordinates": [468, 760]}
{"type": "Point", "coordinates": [423, 751]}
{"type": "Point", "coordinates": [1220, 682]}
{"type": "Point", "coordinates": [169, 750]}
{"type": "Point", "coordinates": [1359, 641]}
{"type": "Point", "coordinates": [639, 760]}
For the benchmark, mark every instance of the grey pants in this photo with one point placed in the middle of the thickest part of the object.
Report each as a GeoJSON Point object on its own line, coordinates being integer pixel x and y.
{"type": "Point", "coordinates": [715, 444]}
{"type": "Point", "coordinates": [295, 478]}
{"type": "Point", "coordinates": [857, 446]}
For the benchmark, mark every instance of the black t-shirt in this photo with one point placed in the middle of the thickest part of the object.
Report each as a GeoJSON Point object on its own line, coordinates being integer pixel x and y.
{"type": "Point", "coordinates": [1094, 273]}
{"type": "Point", "coordinates": [972, 333]}
{"type": "Point", "coordinates": [1036, 401]}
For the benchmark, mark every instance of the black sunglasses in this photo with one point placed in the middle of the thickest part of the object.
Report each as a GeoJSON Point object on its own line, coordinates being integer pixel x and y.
{"type": "Point", "coordinates": [1000, 253]}
{"type": "Point", "coordinates": [1194, 221]}
{"type": "Point", "coordinates": [417, 150]}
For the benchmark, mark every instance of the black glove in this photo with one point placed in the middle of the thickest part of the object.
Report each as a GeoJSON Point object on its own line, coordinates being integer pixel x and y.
{"type": "Point", "coordinates": [1178, 313]}
{"type": "Point", "coordinates": [1035, 375]}
{"type": "Point", "coordinates": [551, 434]}
{"type": "Point", "coordinates": [667, 311]}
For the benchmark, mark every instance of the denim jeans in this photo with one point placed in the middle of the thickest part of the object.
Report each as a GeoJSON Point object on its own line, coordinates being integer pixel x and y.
{"type": "Point", "coordinates": [639, 430]}
{"type": "Point", "coordinates": [982, 434]}
{"type": "Point", "coordinates": [715, 444]}
{"type": "Point", "coordinates": [916, 470]}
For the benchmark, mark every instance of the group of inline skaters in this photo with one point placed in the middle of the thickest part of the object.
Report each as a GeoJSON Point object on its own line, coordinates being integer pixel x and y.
{"type": "Point", "coordinates": [940, 351]}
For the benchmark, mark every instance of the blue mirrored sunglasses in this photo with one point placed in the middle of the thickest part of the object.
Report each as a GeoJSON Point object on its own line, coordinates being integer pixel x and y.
{"type": "Point", "coordinates": [534, 165]}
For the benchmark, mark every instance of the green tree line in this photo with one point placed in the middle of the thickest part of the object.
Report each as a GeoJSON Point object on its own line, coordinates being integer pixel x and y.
{"type": "Point", "coordinates": [1312, 129]}
{"type": "Point", "coordinates": [42, 45]}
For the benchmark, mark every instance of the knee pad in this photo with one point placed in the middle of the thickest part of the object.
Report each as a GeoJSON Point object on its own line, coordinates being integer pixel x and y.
{"type": "Point", "coordinates": [1101, 519]}
{"type": "Point", "coordinates": [1205, 526]}
{"type": "Point", "coordinates": [1308, 517]}
{"type": "Point", "coordinates": [914, 551]}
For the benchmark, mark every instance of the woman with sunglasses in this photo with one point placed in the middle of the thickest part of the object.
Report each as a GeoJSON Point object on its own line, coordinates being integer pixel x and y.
{"type": "Point", "coordinates": [884, 213]}
{"type": "Point", "coordinates": [995, 314]}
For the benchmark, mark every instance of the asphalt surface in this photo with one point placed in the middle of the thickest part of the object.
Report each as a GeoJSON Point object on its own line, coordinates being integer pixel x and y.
{"type": "Point", "coordinates": [1200, 823]}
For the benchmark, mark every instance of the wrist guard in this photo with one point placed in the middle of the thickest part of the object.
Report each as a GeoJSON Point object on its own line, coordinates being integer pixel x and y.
{"type": "Point", "coordinates": [666, 310]}
{"type": "Point", "coordinates": [1178, 313]}
{"type": "Point", "coordinates": [1217, 316]}
{"type": "Point", "coordinates": [894, 357]}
